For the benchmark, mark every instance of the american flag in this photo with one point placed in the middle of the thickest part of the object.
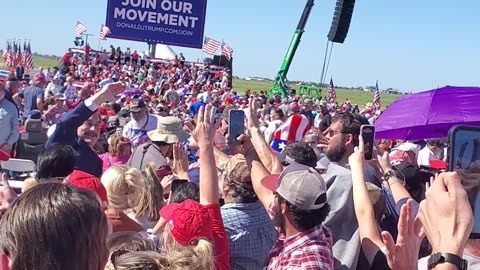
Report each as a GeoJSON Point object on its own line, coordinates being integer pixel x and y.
{"type": "Point", "coordinates": [292, 130]}
{"type": "Point", "coordinates": [29, 58]}
{"type": "Point", "coordinates": [80, 29]}
{"type": "Point", "coordinates": [331, 90]}
{"type": "Point", "coordinates": [104, 32]}
{"type": "Point", "coordinates": [13, 55]}
{"type": "Point", "coordinates": [24, 55]}
{"type": "Point", "coordinates": [227, 51]}
{"type": "Point", "coordinates": [210, 46]}
{"type": "Point", "coordinates": [19, 55]}
{"type": "Point", "coordinates": [7, 54]}
{"type": "Point", "coordinates": [376, 98]}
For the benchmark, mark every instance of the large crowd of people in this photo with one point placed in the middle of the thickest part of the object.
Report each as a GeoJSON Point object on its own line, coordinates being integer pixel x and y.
{"type": "Point", "coordinates": [138, 171]}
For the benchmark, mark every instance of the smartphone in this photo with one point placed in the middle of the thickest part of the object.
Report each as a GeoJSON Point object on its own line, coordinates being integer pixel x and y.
{"type": "Point", "coordinates": [368, 135]}
{"type": "Point", "coordinates": [177, 183]}
{"type": "Point", "coordinates": [236, 125]}
{"type": "Point", "coordinates": [464, 153]}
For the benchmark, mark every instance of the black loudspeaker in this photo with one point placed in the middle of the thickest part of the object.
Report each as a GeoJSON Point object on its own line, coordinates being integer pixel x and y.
{"type": "Point", "coordinates": [341, 20]}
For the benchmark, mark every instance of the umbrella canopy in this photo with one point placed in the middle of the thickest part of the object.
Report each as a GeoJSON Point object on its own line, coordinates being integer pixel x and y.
{"type": "Point", "coordinates": [429, 114]}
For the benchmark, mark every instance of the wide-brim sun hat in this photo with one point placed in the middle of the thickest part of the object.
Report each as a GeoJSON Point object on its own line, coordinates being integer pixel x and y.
{"type": "Point", "coordinates": [169, 130]}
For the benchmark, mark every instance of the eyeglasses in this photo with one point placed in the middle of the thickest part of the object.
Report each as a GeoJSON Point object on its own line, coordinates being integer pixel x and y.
{"type": "Point", "coordinates": [332, 133]}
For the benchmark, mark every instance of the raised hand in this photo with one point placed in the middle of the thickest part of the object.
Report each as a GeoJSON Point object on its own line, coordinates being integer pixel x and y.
{"type": "Point", "coordinates": [109, 93]}
{"type": "Point", "coordinates": [357, 158]}
{"type": "Point", "coordinates": [204, 131]}
{"type": "Point", "coordinates": [251, 115]}
{"type": "Point", "coordinates": [384, 162]}
{"type": "Point", "coordinates": [404, 253]}
{"type": "Point", "coordinates": [180, 161]}
{"type": "Point", "coordinates": [446, 214]}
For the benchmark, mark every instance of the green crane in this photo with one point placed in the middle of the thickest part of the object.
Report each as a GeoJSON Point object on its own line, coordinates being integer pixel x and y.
{"type": "Point", "coordinates": [280, 84]}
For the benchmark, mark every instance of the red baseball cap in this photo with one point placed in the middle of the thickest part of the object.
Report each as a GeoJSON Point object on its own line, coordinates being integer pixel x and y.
{"type": "Point", "coordinates": [228, 101]}
{"type": "Point", "coordinates": [188, 221]}
{"type": "Point", "coordinates": [87, 181]}
{"type": "Point", "coordinates": [40, 78]}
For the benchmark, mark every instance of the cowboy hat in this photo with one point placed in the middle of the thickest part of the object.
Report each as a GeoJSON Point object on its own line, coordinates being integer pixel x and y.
{"type": "Point", "coordinates": [169, 130]}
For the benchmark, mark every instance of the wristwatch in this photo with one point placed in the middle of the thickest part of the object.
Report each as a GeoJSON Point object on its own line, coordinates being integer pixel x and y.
{"type": "Point", "coordinates": [389, 174]}
{"type": "Point", "coordinates": [439, 258]}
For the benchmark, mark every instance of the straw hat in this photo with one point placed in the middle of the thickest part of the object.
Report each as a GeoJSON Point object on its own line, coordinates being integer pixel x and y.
{"type": "Point", "coordinates": [169, 130]}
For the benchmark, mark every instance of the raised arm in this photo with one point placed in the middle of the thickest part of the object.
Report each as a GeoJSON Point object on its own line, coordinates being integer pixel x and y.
{"type": "Point", "coordinates": [204, 133]}
{"type": "Point", "coordinates": [257, 170]}
{"type": "Point", "coordinates": [66, 130]}
{"type": "Point", "coordinates": [367, 225]}
{"type": "Point", "coordinates": [268, 159]}
{"type": "Point", "coordinates": [399, 192]}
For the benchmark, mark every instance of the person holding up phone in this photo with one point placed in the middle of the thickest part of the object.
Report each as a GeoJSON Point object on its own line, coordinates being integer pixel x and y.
{"type": "Point", "coordinates": [374, 248]}
{"type": "Point", "coordinates": [447, 220]}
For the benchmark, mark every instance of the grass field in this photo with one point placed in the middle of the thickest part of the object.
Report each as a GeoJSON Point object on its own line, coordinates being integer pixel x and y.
{"type": "Point", "coordinates": [356, 97]}
{"type": "Point", "coordinates": [42, 61]}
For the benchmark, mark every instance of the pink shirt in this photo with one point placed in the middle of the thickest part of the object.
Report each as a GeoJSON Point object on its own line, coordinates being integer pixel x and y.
{"type": "Point", "coordinates": [109, 161]}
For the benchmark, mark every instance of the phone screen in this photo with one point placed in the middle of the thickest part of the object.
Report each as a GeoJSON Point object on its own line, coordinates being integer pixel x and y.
{"type": "Point", "coordinates": [177, 183]}
{"type": "Point", "coordinates": [464, 153]}
{"type": "Point", "coordinates": [236, 125]}
{"type": "Point", "coordinates": [368, 135]}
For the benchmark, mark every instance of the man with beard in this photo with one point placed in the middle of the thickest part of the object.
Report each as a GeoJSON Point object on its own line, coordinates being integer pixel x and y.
{"type": "Point", "coordinates": [296, 200]}
{"type": "Point", "coordinates": [342, 138]}
{"type": "Point", "coordinates": [80, 128]}
{"type": "Point", "coordinates": [169, 131]}
{"type": "Point", "coordinates": [142, 122]}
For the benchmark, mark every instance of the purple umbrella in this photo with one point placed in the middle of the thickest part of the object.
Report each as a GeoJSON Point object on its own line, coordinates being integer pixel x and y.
{"type": "Point", "coordinates": [429, 114]}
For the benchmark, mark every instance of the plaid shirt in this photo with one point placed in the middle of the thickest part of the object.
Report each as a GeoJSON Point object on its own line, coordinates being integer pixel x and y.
{"type": "Point", "coordinates": [250, 232]}
{"type": "Point", "coordinates": [309, 250]}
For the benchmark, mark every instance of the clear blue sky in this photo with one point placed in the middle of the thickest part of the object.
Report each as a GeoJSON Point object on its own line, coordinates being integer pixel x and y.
{"type": "Point", "coordinates": [410, 45]}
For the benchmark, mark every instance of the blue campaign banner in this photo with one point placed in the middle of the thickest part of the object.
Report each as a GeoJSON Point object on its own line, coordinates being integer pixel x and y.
{"type": "Point", "coordinates": [169, 22]}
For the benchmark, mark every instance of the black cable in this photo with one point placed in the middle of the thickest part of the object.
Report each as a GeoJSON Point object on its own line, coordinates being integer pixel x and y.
{"type": "Point", "coordinates": [323, 69]}
{"type": "Point", "coordinates": [328, 63]}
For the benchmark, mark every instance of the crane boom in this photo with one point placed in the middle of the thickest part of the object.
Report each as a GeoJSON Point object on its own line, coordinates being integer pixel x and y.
{"type": "Point", "coordinates": [280, 83]}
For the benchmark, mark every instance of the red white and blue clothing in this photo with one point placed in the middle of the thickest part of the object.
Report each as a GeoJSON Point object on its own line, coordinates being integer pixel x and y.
{"type": "Point", "coordinates": [138, 135]}
{"type": "Point", "coordinates": [292, 130]}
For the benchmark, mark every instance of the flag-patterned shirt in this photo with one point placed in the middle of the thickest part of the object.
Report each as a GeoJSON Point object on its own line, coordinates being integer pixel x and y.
{"type": "Point", "coordinates": [309, 250]}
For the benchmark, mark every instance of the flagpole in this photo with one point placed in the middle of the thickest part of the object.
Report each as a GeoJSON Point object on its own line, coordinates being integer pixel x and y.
{"type": "Point", "coordinates": [98, 47]}
{"type": "Point", "coordinates": [221, 50]}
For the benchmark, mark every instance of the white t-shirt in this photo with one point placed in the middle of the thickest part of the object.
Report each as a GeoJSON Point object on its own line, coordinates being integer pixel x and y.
{"type": "Point", "coordinates": [272, 127]}
{"type": "Point", "coordinates": [473, 262]}
{"type": "Point", "coordinates": [138, 135]}
{"type": "Point", "coordinates": [71, 94]}
{"type": "Point", "coordinates": [424, 157]}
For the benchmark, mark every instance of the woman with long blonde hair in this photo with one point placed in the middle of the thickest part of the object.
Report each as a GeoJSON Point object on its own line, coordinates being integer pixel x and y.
{"type": "Point", "coordinates": [124, 187]}
{"type": "Point", "coordinates": [150, 201]}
